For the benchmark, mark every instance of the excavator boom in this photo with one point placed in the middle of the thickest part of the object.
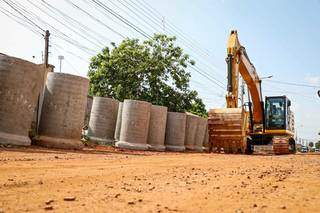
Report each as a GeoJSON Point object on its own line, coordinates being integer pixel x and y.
{"type": "Point", "coordinates": [238, 62]}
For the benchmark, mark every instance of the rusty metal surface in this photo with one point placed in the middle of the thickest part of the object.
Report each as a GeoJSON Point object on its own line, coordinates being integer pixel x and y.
{"type": "Point", "coordinates": [226, 131]}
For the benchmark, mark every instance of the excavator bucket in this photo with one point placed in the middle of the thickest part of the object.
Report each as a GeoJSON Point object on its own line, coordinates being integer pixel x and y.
{"type": "Point", "coordinates": [227, 130]}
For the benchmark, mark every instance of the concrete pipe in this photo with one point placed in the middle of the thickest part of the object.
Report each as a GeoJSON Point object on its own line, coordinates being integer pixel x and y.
{"type": "Point", "coordinates": [20, 85]}
{"type": "Point", "coordinates": [103, 120]}
{"type": "Point", "coordinates": [63, 111]}
{"type": "Point", "coordinates": [157, 128]}
{"type": "Point", "coordinates": [206, 141]}
{"type": "Point", "coordinates": [134, 125]}
{"type": "Point", "coordinates": [201, 133]}
{"type": "Point", "coordinates": [175, 131]}
{"type": "Point", "coordinates": [88, 111]}
{"type": "Point", "coordinates": [118, 124]}
{"type": "Point", "coordinates": [191, 131]}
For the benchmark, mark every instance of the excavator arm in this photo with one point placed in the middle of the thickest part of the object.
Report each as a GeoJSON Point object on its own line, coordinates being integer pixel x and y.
{"type": "Point", "coordinates": [238, 62]}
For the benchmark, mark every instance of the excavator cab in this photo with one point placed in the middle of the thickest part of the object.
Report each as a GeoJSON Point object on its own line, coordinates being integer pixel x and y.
{"type": "Point", "coordinates": [278, 116]}
{"type": "Point", "coordinates": [276, 112]}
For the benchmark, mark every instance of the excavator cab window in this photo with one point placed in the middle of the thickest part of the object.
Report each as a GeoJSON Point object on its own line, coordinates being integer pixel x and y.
{"type": "Point", "coordinates": [275, 112]}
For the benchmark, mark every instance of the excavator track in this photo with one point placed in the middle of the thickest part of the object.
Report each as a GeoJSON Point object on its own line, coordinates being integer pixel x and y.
{"type": "Point", "coordinates": [227, 130]}
{"type": "Point", "coordinates": [281, 145]}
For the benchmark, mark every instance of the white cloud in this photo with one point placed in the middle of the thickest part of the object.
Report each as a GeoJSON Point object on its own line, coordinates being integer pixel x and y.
{"type": "Point", "coordinates": [312, 79]}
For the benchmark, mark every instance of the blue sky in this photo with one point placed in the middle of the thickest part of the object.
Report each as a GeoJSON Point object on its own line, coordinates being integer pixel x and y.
{"type": "Point", "coordinates": [281, 38]}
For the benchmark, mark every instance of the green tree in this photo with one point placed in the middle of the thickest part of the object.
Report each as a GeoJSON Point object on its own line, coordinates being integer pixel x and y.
{"type": "Point", "coordinates": [311, 144]}
{"type": "Point", "coordinates": [154, 70]}
{"type": "Point", "coordinates": [318, 145]}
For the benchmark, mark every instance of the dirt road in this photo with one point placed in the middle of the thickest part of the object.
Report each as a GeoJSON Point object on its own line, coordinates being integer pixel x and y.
{"type": "Point", "coordinates": [38, 180]}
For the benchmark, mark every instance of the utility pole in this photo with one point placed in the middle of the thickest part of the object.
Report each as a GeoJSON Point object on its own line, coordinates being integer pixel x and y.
{"type": "Point", "coordinates": [46, 48]}
{"type": "Point", "coordinates": [46, 62]}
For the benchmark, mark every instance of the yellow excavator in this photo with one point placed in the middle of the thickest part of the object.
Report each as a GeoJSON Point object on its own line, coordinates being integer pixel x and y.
{"type": "Point", "coordinates": [256, 126]}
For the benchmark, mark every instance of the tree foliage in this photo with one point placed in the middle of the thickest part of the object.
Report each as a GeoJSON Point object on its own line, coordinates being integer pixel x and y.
{"type": "Point", "coordinates": [154, 70]}
{"type": "Point", "coordinates": [311, 144]}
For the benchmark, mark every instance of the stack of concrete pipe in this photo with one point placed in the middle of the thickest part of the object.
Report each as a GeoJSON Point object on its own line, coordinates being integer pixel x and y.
{"type": "Point", "coordinates": [118, 124]}
{"type": "Point", "coordinates": [195, 132]}
{"type": "Point", "coordinates": [206, 145]}
{"type": "Point", "coordinates": [142, 126]}
{"type": "Point", "coordinates": [191, 131]}
{"type": "Point", "coordinates": [201, 134]}
{"type": "Point", "coordinates": [157, 128]}
{"type": "Point", "coordinates": [63, 111]}
{"type": "Point", "coordinates": [20, 86]}
{"type": "Point", "coordinates": [88, 110]}
{"type": "Point", "coordinates": [176, 131]}
{"type": "Point", "coordinates": [134, 125]}
{"type": "Point", "coordinates": [103, 120]}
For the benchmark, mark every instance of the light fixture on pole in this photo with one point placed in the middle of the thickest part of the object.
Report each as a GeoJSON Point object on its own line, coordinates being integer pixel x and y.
{"type": "Point", "coordinates": [60, 57]}
{"type": "Point", "coordinates": [270, 76]}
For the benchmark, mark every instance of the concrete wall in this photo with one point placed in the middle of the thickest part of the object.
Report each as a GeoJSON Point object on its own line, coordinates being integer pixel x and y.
{"type": "Point", "coordinates": [134, 125]}
{"type": "Point", "coordinates": [157, 128]}
{"type": "Point", "coordinates": [175, 131]}
{"type": "Point", "coordinates": [103, 120]}
{"type": "Point", "coordinates": [20, 86]}
{"type": "Point", "coordinates": [63, 112]}
{"type": "Point", "coordinates": [118, 124]}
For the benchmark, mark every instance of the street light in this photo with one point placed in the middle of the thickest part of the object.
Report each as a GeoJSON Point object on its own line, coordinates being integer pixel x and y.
{"type": "Point", "coordinates": [270, 76]}
{"type": "Point", "coordinates": [60, 57]}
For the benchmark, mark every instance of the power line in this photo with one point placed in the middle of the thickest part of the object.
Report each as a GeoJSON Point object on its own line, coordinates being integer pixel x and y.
{"type": "Point", "coordinates": [94, 18]}
{"type": "Point", "coordinates": [294, 84]}
{"type": "Point", "coordinates": [205, 76]}
{"type": "Point", "coordinates": [20, 21]}
{"type": "Point", "coordinates": [63, 24]}
{"type": "Point", "coordinates": [121, 18]}
{"type": "Point", "coordinates": [158, 15]}
{"type": "Point", "coordinates": [145, 24]}
{"type": "Point", "coordinates": [109, 10]}
{"type": "Point", "coordinates": [68, 39]}
{"type": "Point", "coordinates": [155, 24]}
{"type": "Point", "coordinates": [156, 21]}
{"type": "Point", "coordinates": [10, 4]}
{"type": "Point", "coordinates": [25, 13]}
{"type": "Point", "coordinates": [83, 28]}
